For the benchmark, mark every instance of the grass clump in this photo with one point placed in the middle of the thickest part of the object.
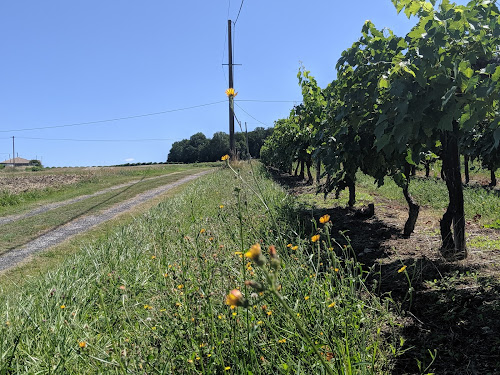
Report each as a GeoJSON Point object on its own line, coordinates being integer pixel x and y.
{"type": "Point", "coordinates": [153, 296]}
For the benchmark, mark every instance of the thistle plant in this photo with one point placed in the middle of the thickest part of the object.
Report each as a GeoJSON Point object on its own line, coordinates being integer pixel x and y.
{"type": "Point", "coordinates": [270, 270]}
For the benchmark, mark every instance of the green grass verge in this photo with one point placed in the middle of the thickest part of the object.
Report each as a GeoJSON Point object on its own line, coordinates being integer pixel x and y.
{"type": "Point", "coordinates": [92, 180]}
{"type": "Point", "coordinates": [17, 233]}
{"type": "Point", "coordinates": [149, 297]}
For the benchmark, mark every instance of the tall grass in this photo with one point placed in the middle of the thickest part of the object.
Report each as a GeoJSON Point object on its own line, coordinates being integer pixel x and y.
{"type": "Point", "coordinates": [151, 297]}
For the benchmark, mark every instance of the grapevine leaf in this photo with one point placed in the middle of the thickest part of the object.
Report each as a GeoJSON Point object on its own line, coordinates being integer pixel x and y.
{"type": "Point", "coordinates": [383, 83]}
{"type": "Point", "coordinates": [409, 158]}
{"type": "Point", "coordinates": [496, 137]}
{"type": "Point", "coordinates": [449, 94]}
{"type": "Point", "coordinates": [446, 122]}
{"type": "Point", "coordinates": [496, 76]}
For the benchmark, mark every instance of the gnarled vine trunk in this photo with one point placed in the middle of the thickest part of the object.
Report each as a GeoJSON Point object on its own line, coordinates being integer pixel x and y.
{"type": "Point", "coordinates": [493, 177]}
{"type": "Point", "coordinates": [454, 217]}
{"type": "Point", "coordinates": [318, 170]}
{"type": "Point", "coordinates": [466, 168]}
{"type": "Point", "coordinates": [413, 207]}
{"type": "Point", "coordinates": [309, 175]}
{"type": "Point", "coordinates": [302, 169]}
{"type": "Point", "coordinates": [352, 191]}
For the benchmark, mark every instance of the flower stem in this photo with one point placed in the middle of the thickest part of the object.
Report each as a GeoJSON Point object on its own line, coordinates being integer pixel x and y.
{"type": "Point", "coordinates": [302, 330]}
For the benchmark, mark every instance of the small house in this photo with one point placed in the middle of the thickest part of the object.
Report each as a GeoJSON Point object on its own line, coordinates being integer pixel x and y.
{"type": "Point", "coordinates": [19, 162]}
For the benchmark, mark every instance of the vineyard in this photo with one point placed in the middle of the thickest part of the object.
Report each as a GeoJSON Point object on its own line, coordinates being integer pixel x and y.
{"type": "Point", "coordinates": [399, 102]}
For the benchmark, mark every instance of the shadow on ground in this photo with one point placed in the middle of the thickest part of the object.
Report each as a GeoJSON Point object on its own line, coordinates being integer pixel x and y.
{"type": "Point", "coordinates": [449, 311]}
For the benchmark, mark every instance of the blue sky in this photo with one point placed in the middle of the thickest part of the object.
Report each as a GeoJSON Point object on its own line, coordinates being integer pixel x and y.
{"type": "Point", "coordinates": [72, 62]}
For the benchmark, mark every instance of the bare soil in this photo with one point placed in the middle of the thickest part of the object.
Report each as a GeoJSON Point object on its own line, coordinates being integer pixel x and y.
{"type": "Point", "coordinates": [451, 307]}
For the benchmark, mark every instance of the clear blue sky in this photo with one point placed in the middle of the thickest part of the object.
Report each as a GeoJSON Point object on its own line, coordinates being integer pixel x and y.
{"type": "Point", "coordinates": [68, 62]}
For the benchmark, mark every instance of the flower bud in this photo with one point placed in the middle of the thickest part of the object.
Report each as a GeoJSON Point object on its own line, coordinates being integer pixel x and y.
{"type": "Point", "coordinates": [255, 253]}
{"type": "Point", "coordinates": [235, 298]}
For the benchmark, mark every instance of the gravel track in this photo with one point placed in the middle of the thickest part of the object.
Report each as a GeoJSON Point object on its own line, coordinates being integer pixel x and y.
{"type": "Point", "coordinates": [83, 224]}
{"type": "Point", "coordinates": [51, 206]}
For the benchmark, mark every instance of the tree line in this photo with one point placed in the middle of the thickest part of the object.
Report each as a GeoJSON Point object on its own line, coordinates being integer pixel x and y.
{"type": "Point", "coordinates": [401, 101]}
{"type": "Point", "coordinates": [199, 148]}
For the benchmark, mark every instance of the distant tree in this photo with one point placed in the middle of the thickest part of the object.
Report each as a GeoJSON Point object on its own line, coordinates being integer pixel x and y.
{"type": "Point", "coordinates": [199, 148]}
{"type": "Point", "coordinates": [176, 152]}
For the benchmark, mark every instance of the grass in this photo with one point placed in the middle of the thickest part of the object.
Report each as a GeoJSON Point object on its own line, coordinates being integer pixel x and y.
{"type": "Point", "coordinates": [17, 233]}
{"type": "Point", "coordinates": [91, 181]}
{"type": "Point", "coordinates": [149, 297]}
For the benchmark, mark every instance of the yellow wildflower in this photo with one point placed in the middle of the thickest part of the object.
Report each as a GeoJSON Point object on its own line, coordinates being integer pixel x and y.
{"type": "Point", "coordinates": [227, 368]}
{"type": "Point", "coordinates": [255, 253]}
{"type": "Point", "coordinates": [222, 206]}
{"type": "Point", "coordinates": [289, 245]}
{"type": "Point", "coordinates": [315, 238]}
{"type": "Point", "coordinates": [224, 158]}
{"type": "Point", "coordinates": [402, 269]}
{"type": "Point", "coordinates": [331, 305]}
{"type": "Point", "coordinates": [62, 306]}
{"type": "Point", "coordinates": [295, 247]}
{"type": "Point", "coordinates": [282, 341]}
{"type": "Point", "coordinates": [235, 298]}
{"type": "Point", "coordinates": [82, 344]}
{"type": "Point", "coordinates": [231, 93]}
{"type": "Point", "coordinates": [306, 298]}
{"type": "Point", "coordinates": [202, 230]}
{"type": "Point", "coordinates": [324, 219]}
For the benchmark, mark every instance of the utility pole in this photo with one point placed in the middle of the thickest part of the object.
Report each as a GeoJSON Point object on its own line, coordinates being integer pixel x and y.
{"type": "Point", "coordinates": [13, 154]}
{"type": "Point", "coordinates": [232, 146]}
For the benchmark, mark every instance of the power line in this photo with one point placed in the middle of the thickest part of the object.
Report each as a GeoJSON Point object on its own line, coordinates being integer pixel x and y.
{"type": "Point", "coordinates": [114, 119]}
{"type": "Point", "coordinates": [101, 140]}
{"type": "Point", "coordinates": [251, 116]}
{"type": "Point", "coordinates": [238, 16]}
{"type": "Point", "coordinates": [268, 101]}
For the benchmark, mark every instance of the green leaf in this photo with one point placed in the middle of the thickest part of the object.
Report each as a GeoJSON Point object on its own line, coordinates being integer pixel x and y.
{"type": "Point", "coordinates": [383, 83]}
{"type": "Point", "coordinates": [496, 137]}
{"type": "Point", "coordinates": [449, 94]}
{"type": "Point", "coordinates": [446, 122]}
{"type": "Point", "coordinates": [496, 76]}
{"type": "Point", "coordinates": [428, 7]}
{"type": "Point", "coordinates": [409, 158]}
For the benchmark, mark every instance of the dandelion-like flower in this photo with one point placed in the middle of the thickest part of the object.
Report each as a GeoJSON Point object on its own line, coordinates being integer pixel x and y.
{"type": "Point", "coordinates": [255, 253]}
{"type": "Point", "coordinates": [402, 269]}
{"type": "Point", "coordinates": [324, 219]}
{"type": "Point", "coordinates": [82, 344]}
{"type": "Point", "coordinates": [62, 306]}
{"type": "Point", "coordinates": [235, 298]}
{"type": "Point", "coordinates": [315, 238]}
{"type": "Point", "coordinates": [231, 93]}
{"type": "Point", "coordinates": [224, 158]}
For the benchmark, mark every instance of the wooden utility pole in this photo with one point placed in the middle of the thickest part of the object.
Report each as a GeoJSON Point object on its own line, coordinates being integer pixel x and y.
{"type": "Point", "coordinates": [13, 154]}
{"type": "Point", "coordinates": [232, 146]}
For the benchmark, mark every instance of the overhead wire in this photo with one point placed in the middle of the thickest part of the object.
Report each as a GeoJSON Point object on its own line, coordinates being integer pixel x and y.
{"type": "Point", "coordinates": [251, 115]}
{"type": "Point", "coordinates": [238, 16]}
{"type": "Point", "coordinates": [101, 140]}
{"type": "Point", "coordinates": [113, 119]}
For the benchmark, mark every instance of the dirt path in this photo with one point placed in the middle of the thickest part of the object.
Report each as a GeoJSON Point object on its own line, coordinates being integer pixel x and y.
{"type": "Point", "coordinates": [52, 206]}
{"type": "Point", "coordinates": [83, 224]}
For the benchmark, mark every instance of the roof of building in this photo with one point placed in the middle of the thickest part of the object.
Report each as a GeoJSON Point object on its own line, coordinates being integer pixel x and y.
{"type": "Point", "coordinates": [17, 160]}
